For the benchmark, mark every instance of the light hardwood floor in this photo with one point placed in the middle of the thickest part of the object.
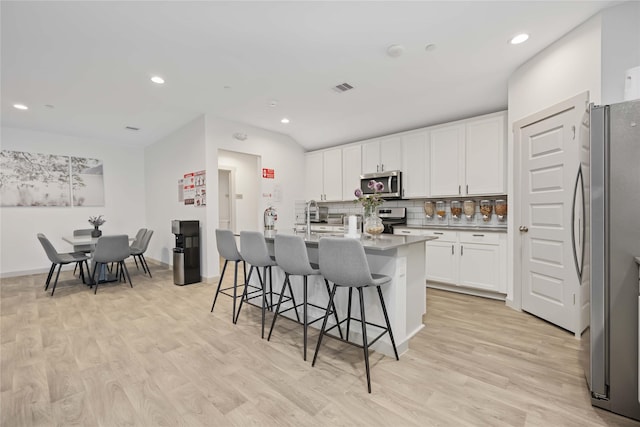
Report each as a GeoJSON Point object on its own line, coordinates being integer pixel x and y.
{"type": "Point", "coordinates": [155, 356]}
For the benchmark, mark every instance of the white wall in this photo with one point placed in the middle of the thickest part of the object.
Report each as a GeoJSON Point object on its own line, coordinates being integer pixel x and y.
{"type": "Point", "coordinates": [166, 161]}
{"type": "Point", "coordinates": [276, 151]}
{"type": "Point", "coordinates": [124, 210]}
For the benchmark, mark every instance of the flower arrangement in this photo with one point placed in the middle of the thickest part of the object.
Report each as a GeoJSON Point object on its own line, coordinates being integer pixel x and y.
{"type": "Point", "coordinates": [372, 201]}
{"type": "Point", "coordinates": [97, 221]}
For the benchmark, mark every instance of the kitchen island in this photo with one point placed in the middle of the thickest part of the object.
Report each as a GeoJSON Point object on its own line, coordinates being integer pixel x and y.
{"type": "Point", "coordinates": [399, 257]}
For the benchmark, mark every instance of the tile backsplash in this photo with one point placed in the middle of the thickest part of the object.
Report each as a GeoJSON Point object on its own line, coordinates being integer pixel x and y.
{"type": "Point", "coordinates": [415, 212]}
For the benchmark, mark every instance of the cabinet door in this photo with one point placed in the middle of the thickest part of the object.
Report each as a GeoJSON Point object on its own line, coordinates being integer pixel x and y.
{"type": "Point", "coordinates": [415, 163]}
{"type": "Point", "coordinates": [485, 156]}
{"type": "Point", "coordinates": [441, 265]}
{"type": "Point", "coordinates": [351, 171]}
{"type": "Point", "coordinates": [390, 154]}
{"type": "Point", "coordinates": [313, 176]}
{"type": "Point", "coordinates": [446, 161]}
{"type": "Point", "coordinates": [480, 266]}
{"type": "Point", "coordinates": [332, 174]}
{"type": "Point", "coordinates": [371, 157]}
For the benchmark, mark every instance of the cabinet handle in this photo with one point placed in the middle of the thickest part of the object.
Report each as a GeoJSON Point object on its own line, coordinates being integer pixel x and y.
{"type": "Point", "coordinates": [437, 232]}
{"type": "Point", "coordinates": [451, 249]}
{"type": "Point", "coordinates": [377, 168]}
{"type": "Point", "coordinates": [405, 231]}
{"type": "Point", "coordinates": [461, 250]}
{"type": "Point", "coordinates": [478, 235]}
{"type": "Point", "coordinates": [459, 190]}
{"type": "Point", "coordinates": [467, 188]}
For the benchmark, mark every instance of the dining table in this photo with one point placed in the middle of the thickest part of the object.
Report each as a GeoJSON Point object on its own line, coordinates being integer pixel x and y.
{"type": "Point", "coordinates": [104, 275]}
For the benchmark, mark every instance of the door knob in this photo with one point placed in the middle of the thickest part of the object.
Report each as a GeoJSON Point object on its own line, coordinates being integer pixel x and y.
{"type": "Point", "coordinates": [523, 228]}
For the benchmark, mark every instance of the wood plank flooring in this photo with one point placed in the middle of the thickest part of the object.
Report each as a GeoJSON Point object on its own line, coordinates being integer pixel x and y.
{"type": "Point", "coordinates": [155, 356]}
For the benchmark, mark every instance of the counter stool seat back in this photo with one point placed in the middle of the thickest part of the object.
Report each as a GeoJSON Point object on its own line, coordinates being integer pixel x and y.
{"type": "Point", "coordinates": [228, 249]}
{"type": "Point", "coordinates": [344, 262]}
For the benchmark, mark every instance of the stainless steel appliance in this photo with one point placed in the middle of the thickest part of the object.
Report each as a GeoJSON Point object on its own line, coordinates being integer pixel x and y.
{"type": "Point", "coordinates": [318, 213]}
{"type": "Point", "coordinates": [392, 181]}
{"type": "Point", "coordinates": [186, 254]}
{"type": "Point", "coordinates": [613, 236]}
{"type": "Point", "coordinates": [391, 217]}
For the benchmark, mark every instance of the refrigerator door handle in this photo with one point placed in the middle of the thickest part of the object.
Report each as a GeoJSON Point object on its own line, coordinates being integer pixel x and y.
{"type": "Point", "coordinates": [579, 185]}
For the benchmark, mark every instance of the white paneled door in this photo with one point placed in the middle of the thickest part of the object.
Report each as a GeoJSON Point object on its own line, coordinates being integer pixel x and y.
{"type": "Point", "coordinates": [550, 162]}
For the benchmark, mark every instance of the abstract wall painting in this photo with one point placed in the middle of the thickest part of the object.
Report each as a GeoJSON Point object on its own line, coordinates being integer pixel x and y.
{"type": "Point", "coordinates": [36, 179]}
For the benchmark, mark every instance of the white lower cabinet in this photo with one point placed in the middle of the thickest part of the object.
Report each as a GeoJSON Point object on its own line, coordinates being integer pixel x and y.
{"type": "Point", "coordinates": [473, 260]}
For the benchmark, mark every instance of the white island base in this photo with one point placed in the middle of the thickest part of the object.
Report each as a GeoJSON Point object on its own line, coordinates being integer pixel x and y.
{"type": "Point", "coordinates": [399, 257]}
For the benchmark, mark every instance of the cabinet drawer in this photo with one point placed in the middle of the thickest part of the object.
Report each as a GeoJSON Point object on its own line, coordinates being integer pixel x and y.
{"type": "Point", "coordinates": [443, 236]}
{"type": "Point", "coordinates": [479, 237]}
{"type": "Point", "coordinates": [408, 231]}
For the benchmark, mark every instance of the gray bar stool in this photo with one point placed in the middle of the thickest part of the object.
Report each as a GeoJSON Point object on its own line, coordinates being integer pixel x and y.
{"type": "Point", "coordinates": [228, 250]}
{"type": "Point", "coordinates": [253, 249]}
{"type": "Point", "coordinates": [343, 262]}
{"type": "Point", "coordinates": [292, 258]}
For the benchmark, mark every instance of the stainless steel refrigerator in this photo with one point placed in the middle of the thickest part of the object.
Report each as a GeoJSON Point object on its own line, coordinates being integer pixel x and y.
{"type": "Point", "coordinates": [613, 240]}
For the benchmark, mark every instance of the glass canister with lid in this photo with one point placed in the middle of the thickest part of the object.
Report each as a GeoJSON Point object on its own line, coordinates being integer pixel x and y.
{"type": "Point", "coordinates": [469, 207]}
{"type": "Point", "coordinates": [456, 210]}
{"type": "Point", "coordinates": [440, 210]}
{"type": "Point", "coordinates": [486, 210]}
{"type": "Point", "coordinates": [501, 209]}
{"type": "Point", "coordinates": [429, 209]}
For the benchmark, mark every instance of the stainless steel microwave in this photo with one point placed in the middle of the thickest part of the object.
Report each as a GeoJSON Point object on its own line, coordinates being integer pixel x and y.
{"type": "Point", "coordinates": [392, 181]}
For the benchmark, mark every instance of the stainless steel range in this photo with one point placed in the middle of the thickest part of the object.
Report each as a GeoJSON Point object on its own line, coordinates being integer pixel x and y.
{"type": "Point", "coordinates": [391, 217]}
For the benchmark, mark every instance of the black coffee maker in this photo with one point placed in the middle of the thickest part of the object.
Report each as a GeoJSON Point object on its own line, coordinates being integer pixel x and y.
{"type": "Point", "coordinates": [186, 254]}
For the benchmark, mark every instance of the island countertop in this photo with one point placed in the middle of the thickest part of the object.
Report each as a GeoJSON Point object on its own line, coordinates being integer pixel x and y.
{"type": "Point", "coordinates": [384, 242]}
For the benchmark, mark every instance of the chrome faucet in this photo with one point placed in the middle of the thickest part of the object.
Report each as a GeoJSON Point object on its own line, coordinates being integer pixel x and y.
{"type": "Point", "coordinates": [309, 215]}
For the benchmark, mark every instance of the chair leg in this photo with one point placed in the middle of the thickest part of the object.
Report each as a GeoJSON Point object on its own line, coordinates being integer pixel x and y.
{"type": "Point", "coordinates": [136, 261]}
{"type": "Point", "coordinates": [349, 313]}
{"type": "Point", "coordinates": [244, 293]}
{"type": "Point", "coordinates": [235, 287]}
{"type": "Point", "coordinates": [96, 267]}
{"type": "Point", "coordinates": [146, 264]}
{"type": "Point", "coordinates": [386, 319]}
{"type": "Point", "coordinates": [74, 269]}
{"type": "Point", "coordinates": [264, 296]}
{"type": "Point", "coordinates": [335, 311]}
{"type": "Point", "coordinates": [126, 271]}
{"type": "Point", "coordinates": [365, 342]}
{"type": "Point", "coordinates": [215, 298]}
{"type": "Point", "coordinates": [56, 282]}
{"type": "Point", "coordinates": [324, 324]}
{"type": "Point", "coordinates": [46, 284]}
{"type": "Point", "coordinates": [293, 299]}
{"type": "Point", "coordinates": [275, 314]}
{"type": "Point", "coordinates": [81, 270]}
{"type": "Point", "coordinates": [304, 314]}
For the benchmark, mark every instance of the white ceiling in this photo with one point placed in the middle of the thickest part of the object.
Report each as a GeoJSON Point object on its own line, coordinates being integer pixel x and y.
{"type": "Point", "coordinates": [92, 61]}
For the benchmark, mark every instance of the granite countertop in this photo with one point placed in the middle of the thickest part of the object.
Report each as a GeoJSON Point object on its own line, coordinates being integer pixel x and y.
{"type": "Point", "coordinates": [383, 242]}
{"type": "Point", "coordinates": [451, 228]}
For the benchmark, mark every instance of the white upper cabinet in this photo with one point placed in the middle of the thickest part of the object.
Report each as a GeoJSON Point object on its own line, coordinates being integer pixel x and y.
{"type": "Point", "coordinates": [384, 154]}
{"type": "Point", "coordinates": [469, 158]}
{"type": "Point", "coordinates": [447, 164]}
{"type": "Point", "coordinates": [351, 170]}
{"type": "Point", "coordinates": [323, 177]}
{"type": "Point", "coordinates": [415, 164]}
{"type": "Point", "coordinates": [486, 156]}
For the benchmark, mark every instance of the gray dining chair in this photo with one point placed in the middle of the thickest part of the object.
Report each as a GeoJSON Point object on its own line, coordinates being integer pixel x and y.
{"type": "Point", "coordinates": [111, 249]}
{"type": "Point", "coordinates": [60, 259]}
{"type": "Point", "coordinates": [139, 247]}
{"type": "Point", "coordinates": [344, 262]}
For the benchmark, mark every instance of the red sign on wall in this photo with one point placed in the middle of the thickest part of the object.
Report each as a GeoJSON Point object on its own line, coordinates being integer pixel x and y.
{"type": "Point", "coordinates": [268, 173]}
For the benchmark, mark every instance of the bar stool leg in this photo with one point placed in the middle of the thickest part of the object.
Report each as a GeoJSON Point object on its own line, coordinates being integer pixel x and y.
{"type": "Point", "coordinates": [324, 324]}
{"type": "Point", "coordinates": [215, 298]}
{"type": "Point", "coordinates": [264, 295]}
{"type": "Point", "coordinates": [244, 293]}
{"type": "Point", "coordinates": [235, 289]}
{"type": "Point", "coordinates": [335, 311]}
{"type": "Point", "coordinates": [349, 313]}
{"type": "Point", "coordinates": [365, 343]}
{"type": "Point", "coordinates": [304, 315]}
{"type": "Point", "coordinates": [275, 315]}
{"type": "Point", "coordinates": [386, 319]}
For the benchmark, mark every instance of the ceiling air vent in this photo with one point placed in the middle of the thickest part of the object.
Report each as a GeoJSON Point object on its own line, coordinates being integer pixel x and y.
{"type": "Point", "coordinates": [132, 128]}
{"type": "Point", "coordinates": [342, 87]}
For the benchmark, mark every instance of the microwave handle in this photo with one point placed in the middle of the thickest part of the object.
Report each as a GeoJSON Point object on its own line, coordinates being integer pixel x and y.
{"type": "Point", "coordinates": [389, 183]}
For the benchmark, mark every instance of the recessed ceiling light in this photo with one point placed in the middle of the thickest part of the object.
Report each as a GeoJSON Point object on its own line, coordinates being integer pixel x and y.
{"type": "Point", "coordinates": [520, 38]}
{"type": "Point", "coordinates": [285, 121]}
{"type": "Point", "coordinates": [157, 79]}
{"type": "Point", "coordinates": [20, 106]}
